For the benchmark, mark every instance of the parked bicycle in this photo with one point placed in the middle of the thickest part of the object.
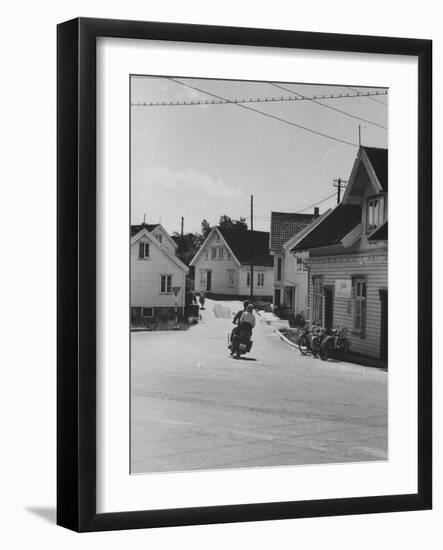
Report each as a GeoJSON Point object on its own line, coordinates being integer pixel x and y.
{"type": "Point", "coordinates": [334, 344]}
{"type": "Point", "coordinates": [310, 339]}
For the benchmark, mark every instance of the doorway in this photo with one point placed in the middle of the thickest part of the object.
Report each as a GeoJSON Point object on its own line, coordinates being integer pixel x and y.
{"type": "Point", "coordinates": [208, 281]}
{"type": "Point", "coordinates": [384, 324]}
{"type": "Point", "coordinates": [329, 307]}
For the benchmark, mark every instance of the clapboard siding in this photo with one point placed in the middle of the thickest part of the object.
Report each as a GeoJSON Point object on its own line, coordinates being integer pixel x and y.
{"type": "Point", "coordinates": [372, 267]}
{"type": "Point", "coordinates": [219, 268]}
{"type": "Point", "coordinates": [266, 290]}
{"type": "Point", "coordinates": [146, 278]}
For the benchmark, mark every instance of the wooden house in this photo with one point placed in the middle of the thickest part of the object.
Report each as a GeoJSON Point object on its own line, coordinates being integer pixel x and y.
{"type": "Point", "coordinates": [157, 275]}
{"type": "Point", "coordinates": [290, 268]}
{"type": "Point", "coordinates": [348, 258]}
{"type": "Point", "coordinates": [223, 264]}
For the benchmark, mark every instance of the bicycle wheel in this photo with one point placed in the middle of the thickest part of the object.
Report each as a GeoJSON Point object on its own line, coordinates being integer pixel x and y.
{"type": "Point", "coordinates": [326, 348]}
{"type": "Point", "coordinates": [303, 344]}
{"type": "Point", "coordinates": [315, 345]}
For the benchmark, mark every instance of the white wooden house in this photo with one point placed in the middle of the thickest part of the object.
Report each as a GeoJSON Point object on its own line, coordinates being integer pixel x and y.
{"type": "Point", "coordinates": [290, 268]}
{"type": "Point", "coordinates": [348, 258]}
{"type": "Point", "coordinates": [223, 264]}
{"type": "Point", "coordinates": [156, 273]}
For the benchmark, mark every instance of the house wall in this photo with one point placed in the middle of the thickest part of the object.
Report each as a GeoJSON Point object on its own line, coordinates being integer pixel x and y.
{"type": "Point", "coordinates": [145, 278]}
{"type": "Point", "coordinates": [266, 290]}
{"type": "Point", "coordinates": [373, 266]}
{"type": "Point", "coordinates": [219, 267]}
{"type": "Point", "coordinates": [298, 279]}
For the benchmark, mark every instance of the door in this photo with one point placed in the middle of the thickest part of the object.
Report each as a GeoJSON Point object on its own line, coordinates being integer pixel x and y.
{"type": "Point", "coordinates": [329, 307]}
{"type": "Point", "coordinates": [384, 325]}
{"type": "Point", "coordinates": [209, 281]}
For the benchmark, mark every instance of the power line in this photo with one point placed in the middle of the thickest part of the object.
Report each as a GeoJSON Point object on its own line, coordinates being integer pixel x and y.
{"type": "Point", "coordinates": [329, 106]}
{"type": "Point", "coordinates": [272, 99]}
{"type": "Point", "coordinates": [268, 115]}
{"type": "Point", "coordinates": [302, 209]}
{"type": "Point", "coordinates": [369, 97]}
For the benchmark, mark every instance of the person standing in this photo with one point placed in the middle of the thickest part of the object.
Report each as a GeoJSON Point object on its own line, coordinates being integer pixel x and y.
{"type": "Point", "coordinates": [202, 299]}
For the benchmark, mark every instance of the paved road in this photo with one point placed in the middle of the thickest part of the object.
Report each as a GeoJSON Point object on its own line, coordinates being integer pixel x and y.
{"type": "Point", "coordinates": [194, 407]}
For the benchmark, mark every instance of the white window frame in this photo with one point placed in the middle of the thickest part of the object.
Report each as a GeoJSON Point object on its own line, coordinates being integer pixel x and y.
{"type": "Point", "coordinates": [260, 279]}
{"type": "Point", "coordinates": [359, 292]}
{"type": "Point", "coordinates": [168, 288]}
{"type": "Point", "coordinates": [146, 247]}
{"type": "Point", "coordinates": [220, 253]}
{"type": "Point", "coordinates": [248, 278]}
{"type": "Point", "coordinates": [147, 316]}
{"type": "Point", "coordinates": [231, 274]}
{"type": "Point", "coordinates": [214, 253]}
{"type": "Point", "coordinates": [371, 223]}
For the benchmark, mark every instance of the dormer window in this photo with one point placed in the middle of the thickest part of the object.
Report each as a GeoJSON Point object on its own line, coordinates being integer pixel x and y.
{"type": "Point", "coordinates": [159, 237]}
{"type": "Point", "coordinates": [143, 251]}
{"type": "Point", "coordinates": [375, 213]}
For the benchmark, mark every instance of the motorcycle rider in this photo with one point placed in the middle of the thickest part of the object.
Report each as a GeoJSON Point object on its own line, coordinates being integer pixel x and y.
{"type": "Point", "coordinates": [236, 321]}
{"type": "Point", "coordinates": [247, 320]}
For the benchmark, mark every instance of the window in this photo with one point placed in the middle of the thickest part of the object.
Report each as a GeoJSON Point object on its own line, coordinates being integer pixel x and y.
{"type": "Point", "coordinates": [166, 283]}
{"type": "Point", "coordinates": [260, 279]}
{"type": "Point", "coordinates": [143, 251]}
{"type": "Point", "coordinates": [213, 253]}
{"type": "Point", "coordinates": [220, 253]}
{"type": "Point", "coordinates": [318, 298]}
{"type": "Point", "coordinates": [359, 291]}
{"type": "Point", "coordinates": [159, 237]}
{"type": "Point", "coordinates": [228, 254]}
{"type": "Point", "coordinates": [375, 213]}
{"type": "Point", "coordinates": [248, 278]}
{"type": "Point", "coordinates": [299, 263]}
{"type": "Point", "coordinates": [147, 312]}
{"type": "Point", "coordinates": [206, 254]}
{"type": "Point", "coordinates": [218, 237]}
{"type": "Point", "coordinates": [279, 268]}
{"type": "Point", "coordinates": [230, 277]}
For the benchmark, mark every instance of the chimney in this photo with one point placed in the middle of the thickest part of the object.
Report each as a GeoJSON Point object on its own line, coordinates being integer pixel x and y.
{"type": "Point", "coordinates": [316, 212]}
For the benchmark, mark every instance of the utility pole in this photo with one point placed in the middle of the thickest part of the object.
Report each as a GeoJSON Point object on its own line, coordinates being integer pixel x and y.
{"type": "Point", "coordinates": [339, 183]}
{"type": "Point", "coordinates": [359, 135]}
{"type": "Point", "coordinates": [252, 249]}
{"type": "Point", "coordinates": [181, 232]}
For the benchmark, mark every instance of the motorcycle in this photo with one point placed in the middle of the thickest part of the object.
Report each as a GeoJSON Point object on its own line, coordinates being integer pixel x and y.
{"type": "Point", "coordinates": [241, 342]}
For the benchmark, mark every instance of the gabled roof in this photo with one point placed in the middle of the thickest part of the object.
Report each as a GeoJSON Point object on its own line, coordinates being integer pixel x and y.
{"type": "Point", "coordinates": [137, 228]}
{"type": "Point", "coordinates": [247, 245]}
{"type": "Point", "coordinates": [285, 225]}
{"type": "Point", "coordinates": [289, 245]}
{"type": "Point", "coordinates": [380, 234]}
{"type": "Point", "coordinates": [144, 232]}
{"type": "Point", "coordinates": [374, 162]}
{"type": "Point", "coordinates": [333, 228]}
{"type": "Point", "coordinates": [379, 161]}
{"type": "Point", "coordinates": [150, 227]}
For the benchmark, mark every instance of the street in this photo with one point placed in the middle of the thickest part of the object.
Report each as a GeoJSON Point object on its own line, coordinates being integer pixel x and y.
{"type": "Point", "coordinates": [193, 407]}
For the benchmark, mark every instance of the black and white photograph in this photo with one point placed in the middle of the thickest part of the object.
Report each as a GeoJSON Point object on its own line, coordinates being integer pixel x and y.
{"type": "Point", "coordinates": [258, 274]}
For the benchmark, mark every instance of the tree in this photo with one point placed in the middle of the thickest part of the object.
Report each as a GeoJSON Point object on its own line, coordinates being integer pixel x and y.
{"type": "Point", "coordinates": [206, 228]}
{"type": "Point", "coordinates": [228, 223]}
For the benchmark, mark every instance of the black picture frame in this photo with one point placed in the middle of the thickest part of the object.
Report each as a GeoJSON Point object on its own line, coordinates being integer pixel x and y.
{"type": "Point", "coordinates": [76, 295]}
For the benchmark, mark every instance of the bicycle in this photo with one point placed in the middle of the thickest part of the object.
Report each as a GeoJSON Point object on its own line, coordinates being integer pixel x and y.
{"type": "Point", "coordinates": [335, 342]}
{"type": "Point", "coordinates": [310, 340]}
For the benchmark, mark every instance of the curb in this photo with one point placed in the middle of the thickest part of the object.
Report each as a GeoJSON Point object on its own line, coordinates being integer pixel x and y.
{"type": "Point", "coordinates": [282, 337]}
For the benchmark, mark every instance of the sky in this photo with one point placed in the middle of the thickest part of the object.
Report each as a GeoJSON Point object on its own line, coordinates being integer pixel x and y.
{"type": "Point", "coordinates": [204, 161]}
